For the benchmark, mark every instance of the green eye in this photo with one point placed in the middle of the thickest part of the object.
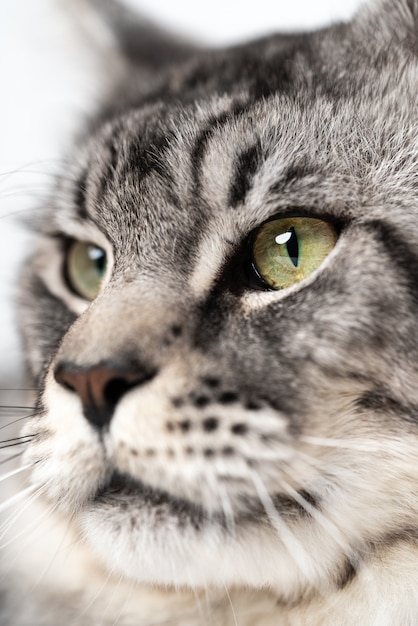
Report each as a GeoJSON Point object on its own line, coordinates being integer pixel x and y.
{"type": "Point", "coordinates": [288, 250]}
{"type": "Point", "coordinates": [85, 268]}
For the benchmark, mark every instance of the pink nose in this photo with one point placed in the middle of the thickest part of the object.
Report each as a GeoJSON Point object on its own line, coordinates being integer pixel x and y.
{"type": "Point", "coordinates": [101, 386]}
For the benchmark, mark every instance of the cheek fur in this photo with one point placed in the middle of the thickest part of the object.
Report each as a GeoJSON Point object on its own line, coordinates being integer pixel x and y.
{"type": "Point", "coordinates": [202, 449]}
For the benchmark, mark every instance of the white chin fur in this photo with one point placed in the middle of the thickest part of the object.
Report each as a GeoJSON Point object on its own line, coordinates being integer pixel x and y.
{"type": "Point", "coordinates": [163, 554]}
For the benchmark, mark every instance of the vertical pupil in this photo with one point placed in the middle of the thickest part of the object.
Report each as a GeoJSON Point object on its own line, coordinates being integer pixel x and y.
{"type": "Point", "coordinates": [101, 264]}
{"type": "Point", "coordinates": [98, 256]}
{"type": "Point", "coordinates": [293, 247]}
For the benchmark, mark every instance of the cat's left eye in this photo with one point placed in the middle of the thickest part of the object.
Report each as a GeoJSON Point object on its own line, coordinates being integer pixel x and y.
{"type": "Point", "coordinates": [288, 250]}
{"type": "Point", "coordinates": [85, 267]}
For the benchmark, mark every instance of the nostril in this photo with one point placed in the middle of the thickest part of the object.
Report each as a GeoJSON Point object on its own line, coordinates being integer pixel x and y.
{"type": "Point", "coordinates": [62, 375]}
{"type": "Point", "coordinates": [115, 389]}
{"type": "Point", "coordinates": [66, 385]}
{"type": "Point", "coordinates": [100, 387]}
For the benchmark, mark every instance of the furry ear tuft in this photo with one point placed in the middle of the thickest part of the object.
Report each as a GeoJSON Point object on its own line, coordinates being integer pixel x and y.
{"type": "Point", "coordinates": [391, 22]}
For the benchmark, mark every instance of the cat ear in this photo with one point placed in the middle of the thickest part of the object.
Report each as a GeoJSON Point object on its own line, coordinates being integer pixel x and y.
{"type": "Point", "coordinates": [139, 39]}
{"type": "Point", "coordinates": [393, 20]}
{"type": "Point", "coordinates": [402, 13]}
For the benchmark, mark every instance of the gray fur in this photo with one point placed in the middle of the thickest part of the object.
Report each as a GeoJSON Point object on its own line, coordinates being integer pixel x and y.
{"type": "Point", "coordinates": [270, 462]}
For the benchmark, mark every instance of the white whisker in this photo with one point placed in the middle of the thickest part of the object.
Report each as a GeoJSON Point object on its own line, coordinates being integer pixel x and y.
{"type": "Point", "coordinates": [124, 604]}
{"type": "Point", "coordinates": [214, 486]}
{"type": "Point", "coordinates": [5, 452]}
{"type": "Point", "coordinates": [322, 520]}
{"type": "Point", "coordinates": [15, 498]}
{"type": "Point", "coordinates": [19, 419]}
{"type": "Point", "coordinates": [59, 548]}
{"type": "Point", "coordinates": [353, 444]}
{"type": "Point", "coordinates": [6, 457]}
{"type": "Point", "coordinates": [290, 542]}
{"type": "Point", "coordinates": [234, 616]}
{"type": "Point", "coordinates": [227, 509]}
{"type": "Point", "coordinates": [33, 525]}
{"type": "Point", "coordinates": [4, 528]}
{"type": "Point", "coordinates": [93, 599]}
{"type": "Point", "coordinates": [14, 472]}
{"type": "Point", "coordinates": [201, 598]}
{"type": "Point", "coordinates": [110, 601]}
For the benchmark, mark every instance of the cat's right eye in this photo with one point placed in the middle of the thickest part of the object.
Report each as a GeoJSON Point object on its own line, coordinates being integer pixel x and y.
{"type": "Point", "coordinates": [85, 267]}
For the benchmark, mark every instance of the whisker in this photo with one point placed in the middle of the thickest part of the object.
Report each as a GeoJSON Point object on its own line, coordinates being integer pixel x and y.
{"type": "Point", "coordinates": [213, 486]}
{"type": "Point", "coordinates": [227, 509]}
{"type": "Point", "coordinates": [25, 417]}
{"type": "Point", "coordinates": [22, 507]}
{"type": "Point", "coordinates": [198, 599]}
{"type": "Point", "coordinates": [368, 445]}
{"type": "Point", "coordinates": [15, 406]}
{"type": "Point", "coordinates": [110, 602]}
{"type": "Point", "coordinates": [16, 497]}
{"type": "Point", "coordinates": [24, 190]}
{"type": "Point", "coordinates": [93, 599]}
{"type": "Point", "coordinates": [10, 458]}
{"type": "Point", "coordinates": [18, 389]}
{"type": "Point", "coordinates": [10, 413]}
{"type": "Point", "coordinates": [322, 520]}
{"type": "Point", "coordinates": [234, 616]}
{"type": "Point", "coordinates": [12, 214]}
{"type": "Point", "coordinates": [14, 472]}
{"type": "Point", "coordinates": [125, 603]}
{"type": "Point", "coordinates": [17, 438]}
{"type": "Point", "coordinates": [14, 442]}
{"type": "Point", "coordinates": [34, 524]}
{"type": "Point", "coordinates": [59, 548]}
{"type": "Point", "coordinates": [23, 169]}
{"type": "Point", "coordinates": [39, 521]}
{"type": "Point", "coordinates": [293, 546]}
{"type": "Point", "coordinates": [12, 445]}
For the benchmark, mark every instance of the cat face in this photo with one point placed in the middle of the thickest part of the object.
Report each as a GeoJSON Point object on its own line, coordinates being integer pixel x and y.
{"type": "Point", "coordinates": [220, 399]}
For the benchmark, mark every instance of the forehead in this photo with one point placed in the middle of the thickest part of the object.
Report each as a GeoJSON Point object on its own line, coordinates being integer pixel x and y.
{"type": "Point", "coordinates": [236, 142]}
{"type": "Point", "coordinates": [219, 156]}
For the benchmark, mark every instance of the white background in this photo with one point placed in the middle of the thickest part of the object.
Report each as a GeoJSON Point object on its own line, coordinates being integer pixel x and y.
{"type": "Point", "coordinates": [51, 74]}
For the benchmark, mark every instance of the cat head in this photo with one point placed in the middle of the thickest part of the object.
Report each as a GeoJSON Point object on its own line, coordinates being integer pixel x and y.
{"type": "Point", "coordinates": [221, 312]}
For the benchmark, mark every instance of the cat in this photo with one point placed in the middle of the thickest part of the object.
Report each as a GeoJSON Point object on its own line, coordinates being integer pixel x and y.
{"type": "Point", "coordinates": [221, 319]}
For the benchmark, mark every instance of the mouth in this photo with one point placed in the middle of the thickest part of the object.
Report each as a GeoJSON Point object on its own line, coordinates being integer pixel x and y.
{"type": "Point", "coordinates": [132, 495]}
{"type": "Point", "coordinates": [125, 492]}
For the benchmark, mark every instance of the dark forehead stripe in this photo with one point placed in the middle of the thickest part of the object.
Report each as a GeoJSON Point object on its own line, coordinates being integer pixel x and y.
{"type": "Point", "coordinates": [80, 195]}
{"type": "Point", "coordinates": [215, 124]}
{"type": "Point", "coordinates": [145, 157]}
{"type": "Point", "coordinates": [107, 176]}
{"type": "Point", "coordinates": [247, 164]}
{"type": "Point", "coordinates": [133, 157]}
{"type": "Point", "coordinates": [295, 171]}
